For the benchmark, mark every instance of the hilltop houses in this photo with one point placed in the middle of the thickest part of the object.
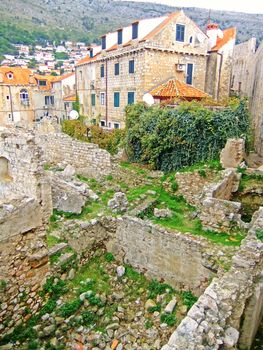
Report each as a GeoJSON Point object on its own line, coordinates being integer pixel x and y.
{"type": "Point", "coordinates": [136, 59]}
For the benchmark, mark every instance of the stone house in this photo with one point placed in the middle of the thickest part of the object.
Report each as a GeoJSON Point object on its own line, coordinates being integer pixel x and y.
{"type": "Point", "coordinates": [247, 80]}
{"type": "Point", "coordinates": [64, 89]}
{"type": "Point", "coordinates": [133, 60]}
{"type": "Point", "coordinates": [136, 59]}
{"type": "Point", "coordinates": [219, 61]}
{"type": "Point", "coordinates": [28, 97]}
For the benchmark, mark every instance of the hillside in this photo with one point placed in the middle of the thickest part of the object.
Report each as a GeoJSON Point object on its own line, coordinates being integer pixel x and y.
{"type": "Point", "coordinates": [31, 21]}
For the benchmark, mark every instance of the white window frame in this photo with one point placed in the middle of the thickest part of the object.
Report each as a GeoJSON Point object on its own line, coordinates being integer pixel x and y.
{"type": "Point", "coordinates": [102, 98]}
{"type": "Point", "coordinates": [116, 123]}
{"type": "Point", "coordinates": [103, 121]}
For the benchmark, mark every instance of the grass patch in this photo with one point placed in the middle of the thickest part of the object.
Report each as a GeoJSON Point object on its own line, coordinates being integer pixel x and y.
{"type": "Point", "coordinates": [133, 167]}
{"type": "Point", "coordinates": [259, 235]}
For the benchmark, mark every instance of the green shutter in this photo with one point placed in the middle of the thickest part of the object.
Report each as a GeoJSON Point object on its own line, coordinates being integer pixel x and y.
{"type": "Point", "coordinates": [130, 98]}
{"type": "Point", "coordinates": [116, 99]}
{"type": "Point", "coordinates": [93, 100]}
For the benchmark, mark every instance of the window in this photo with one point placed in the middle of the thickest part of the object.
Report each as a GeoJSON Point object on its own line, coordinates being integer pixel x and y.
{"type": "Point", "coordinates": [93, 100]}
{"type": "Point", "coordinates": [91, 53]}
{"type": "Point", "coordinates": [116, 99]}
{"type": "Point", "coordinates": [190, 40]}
{"type": "Point", "coordinates": [49, 100]}
{"type": "Point", "coordinates": [239, 86]}
{"type": "Point", "coordinates": [131, 66]}
{"type": "Point", "coordinates": [135, 27]}
{"type": "Point", "coordinates": [189, 74]}
{"type": "Point", "coordinates": [120, 37]}
{"type": "Point", "coordinates": [130, 97]}
{"type": "Point", "coordinates": [117, 69]}
{"type": "Point", "coordinates": [109, 124]}
{"type": "Point", "coordinates": [103, 43]}
{"type": "Point", "coordinates": [102, 71]}
{"type": "Point", "coordinates": [180, 29]}
{"type": "Point", "coordinates": [42, 83]}
{"type": "Point", "coordinates": [80, 75]}
{"type": "Point", "coordinates": [10, 117]}
{"type": "Point", "coordinates": [10, 76]}
{"type": "Point", "coordinates": [116, 125]}
{"type": "Point", "coordinates": [102, 123]}
{"type": "Point", "coordinates": [24, 97]}
{"type": "Point", "coordinates": [102, 98]}
{"type": "Point", "coordinates": [8, 97]}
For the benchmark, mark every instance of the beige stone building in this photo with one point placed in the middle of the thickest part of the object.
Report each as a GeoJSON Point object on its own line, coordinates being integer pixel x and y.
{"type": "Point", "coordinates": [28, 97]}
{"type": "Point", "coordinates": [219, 61]}
{"type": "Point", "coordinates": [64, 90]}
{"type": "Point", "coordinates": [247, 80]}
{"type": "Point", "coordinates": [136, 59]}
{"type": "Point", "coordinates": [133, 60]}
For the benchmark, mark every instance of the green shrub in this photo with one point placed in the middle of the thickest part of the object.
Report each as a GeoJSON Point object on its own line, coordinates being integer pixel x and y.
{"type": "Point", "coordinates": [189, 299]}
{"type": "Point", "coordinates": [152, 309]}
{"type": "Point", "coordinates": [169, 139]}
{"type": "Point", "coordinates": [202, 173]}
{"type": "Point", "coordinates": [174, 186]}
{"type": "Point", "coordinates": [88, 318]}
{"type": "Point", "coordinates": [156, 288]}
{"type": "Point", "coordinates": [70, 308]}
{"type": "Point", "coordinates": [169, 319]}
{"type": "Point", "coordinates": [259, 235]}
{"type": "Point", "coordinates": [109, 257]}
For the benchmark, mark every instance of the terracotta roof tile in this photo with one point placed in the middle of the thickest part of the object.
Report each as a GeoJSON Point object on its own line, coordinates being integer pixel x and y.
{"type": "Point", "coordinates": [71, 98]}
{"type": "Point", "coordinates": [62, 77]}
{"type": "Point", "coordinates": [229, 34]}
{"type": "Point", "coordinates": [175, 88]}
{"type": "Point", "coordinates": [87, 59]}
{"type": "Point", "coordinates": [20, 76]}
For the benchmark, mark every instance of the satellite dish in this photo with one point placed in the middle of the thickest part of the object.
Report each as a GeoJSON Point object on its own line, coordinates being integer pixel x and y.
{"type": "Point", "coordinates": [73, 115]}
{"type": "Point", "coordinates": [148, 99]}
{"type": "Point", "coordinates": [200, 38]}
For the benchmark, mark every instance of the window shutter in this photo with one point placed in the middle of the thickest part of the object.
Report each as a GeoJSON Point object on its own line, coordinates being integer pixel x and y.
{"type": "Point", "coordinates": [130, 98]}
{"type": "Point", "coordinates": [116, 99]}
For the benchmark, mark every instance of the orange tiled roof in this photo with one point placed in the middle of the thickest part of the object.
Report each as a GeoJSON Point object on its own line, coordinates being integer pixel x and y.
{"type": "Point", "coordinates": [21, 76]}
{"type": "Point", "coordinates": [71, 98]}
{"type": "Point", "coordinates": [48, 78]}
{"type": "Point", "coordinates": [175, 88]}
{"type": "Point", "coordinates": [87, 59]}
{"type": "Point", "coordinates": [62, 77]}
{"type": "Point", "coordinates": [229, 34]}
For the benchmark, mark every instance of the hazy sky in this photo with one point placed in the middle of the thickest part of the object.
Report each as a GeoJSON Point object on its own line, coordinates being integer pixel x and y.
{"type": "Point", "coordinates": [251, 6]}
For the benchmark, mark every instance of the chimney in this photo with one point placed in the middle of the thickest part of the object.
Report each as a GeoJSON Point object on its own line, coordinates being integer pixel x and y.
{"type": "Point", "coordinates": [213, 32]}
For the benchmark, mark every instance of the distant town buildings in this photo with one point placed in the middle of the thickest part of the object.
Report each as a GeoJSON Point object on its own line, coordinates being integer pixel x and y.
{"type": "Point", "coordinates": [136, 59]}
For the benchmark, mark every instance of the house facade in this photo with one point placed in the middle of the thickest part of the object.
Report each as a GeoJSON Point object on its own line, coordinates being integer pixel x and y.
{"type": "Point", "coordinates": [134, 60]}
{"type": "Point", "coordinates": [219, 61]}
{"type": "Point", "coordinates": [24, 96]}
{"type": "Point", "coordinates": [247, 81]}
{"type": "Point", "coordinates": [64, 90]}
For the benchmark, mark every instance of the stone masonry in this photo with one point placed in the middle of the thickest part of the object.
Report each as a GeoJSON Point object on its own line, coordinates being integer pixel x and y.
{"type": "Point", "coordinates": [25, 206]}
{"type": "Point", "coordinates": [87, 158]}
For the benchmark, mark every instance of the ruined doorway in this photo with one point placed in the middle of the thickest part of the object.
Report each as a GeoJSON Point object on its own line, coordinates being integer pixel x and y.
{"type": "Point", "coordinates": [5, 175]}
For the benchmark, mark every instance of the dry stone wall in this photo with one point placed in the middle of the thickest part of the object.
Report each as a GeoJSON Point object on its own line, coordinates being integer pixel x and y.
{"type": "Point", "coordinates": [217, 212]}
{"type": "Point", "coordinates": [87, 158]}
{"type": "Point", "coordinates": [25, 206]}
{"type": "Point", "coordinates": [214, 322]}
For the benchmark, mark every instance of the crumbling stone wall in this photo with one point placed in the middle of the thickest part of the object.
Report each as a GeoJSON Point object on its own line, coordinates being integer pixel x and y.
{"type": "Point", "coordinates": [87, 158]}
{"type": "Point", "coordinates": [228, 314]}
{"type": "Point", "coordinates": [25, 206]}
{"type": "Point", "coordinates": [181, 260]}
{"type": "Point", "coordinates": [217, 212]}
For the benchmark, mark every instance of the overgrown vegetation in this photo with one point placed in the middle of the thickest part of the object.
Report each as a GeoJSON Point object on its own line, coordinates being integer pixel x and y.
{"type": "Point", "coordinates": [107, 139]}
{"type": "Point", "coordinates": [170, 139]}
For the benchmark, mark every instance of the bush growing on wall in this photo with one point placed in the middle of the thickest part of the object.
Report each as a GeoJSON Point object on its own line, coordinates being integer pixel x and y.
{"type": "Point", "coordinates": [110, 140]}
{"type": "Point", "coordinates": [170, 139]}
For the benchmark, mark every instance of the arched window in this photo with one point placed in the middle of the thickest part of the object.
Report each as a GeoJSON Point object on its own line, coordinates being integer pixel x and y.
{"type": "Point", "coordinates": [190, 40]}
{"type": "Point", "coordinates": [4, 170]}
{"type": "Point", "coordinates": [24, 97]}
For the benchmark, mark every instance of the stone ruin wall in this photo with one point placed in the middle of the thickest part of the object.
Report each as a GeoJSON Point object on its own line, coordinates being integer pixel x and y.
{"type": "Point", "coordinates": [217, 212]}
{"type": "Point", "coordinates": [231, 307]}
{"type": "Point", "coordinates": [25, 206]}
{"type": "Point", "coordinates": [87, 158]}
{"type": "Point", "coordinates": [181, 260]}
{"type": "Point", "coordinates": [229, 312]}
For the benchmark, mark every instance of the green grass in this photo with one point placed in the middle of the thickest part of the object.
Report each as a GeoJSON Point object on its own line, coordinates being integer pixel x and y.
{"type": "Point", "coordinates": [259, 235]}
{"type": "Point", "coordinates": [133, 167]}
